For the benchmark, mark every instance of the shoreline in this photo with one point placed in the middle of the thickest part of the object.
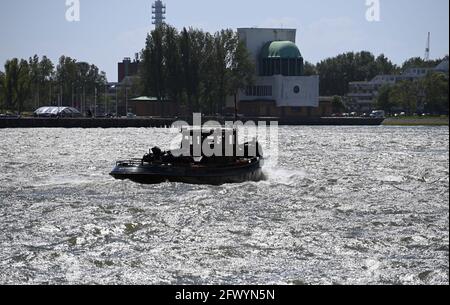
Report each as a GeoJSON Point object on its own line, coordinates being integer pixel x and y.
{"type": "Point", "coordinates": [167, 122]}
{"type": "Point", "coordinates": [409, 121]}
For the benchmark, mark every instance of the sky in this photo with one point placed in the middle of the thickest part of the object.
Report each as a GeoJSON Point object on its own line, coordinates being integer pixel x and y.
{"type": "Point", "coordinates": [109, 30]}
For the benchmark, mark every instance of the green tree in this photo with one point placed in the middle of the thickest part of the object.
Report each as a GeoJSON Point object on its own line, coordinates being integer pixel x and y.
{"type": "Point", "coordinates": [80, 79]}
{"type": "Point", "coordinates": [223, 54]}
{"type": "Point", "coordinates": [81, 84]}
{"type": "Point", "coordinates": [171, 50]}
{"type": "Point", "coordinates": [10, 83]}
{"type": "Point", "coordinates": [26, 84]}
{"type": "Point", "coordinates": [46, 75]}
{"type": "Point", "coordinates": [242, 69]}
{"type": "Point", "coordinates": [23, 86]}
{"type": "Point", "coordinates": [383, 99]}
{"type": "Point", "coordinates": [417, 62]}
{"type": "Point", "coordinates": [337, 72]}
{"type": "Point", "coordinates": [191, 53]}
{"type": "Point", "coordinates": [436, 93]}
{"type": "Point", "coordinates": [2, 91]}
{"type": "Point", "coordinates": [337, 104]}
{"type": "Point", "coordinates": [385, 66]}
{"type": "Point", "coordinates": [209, 94]}
{"type": "Point", "coordinates": [309, 69]}
{"type": "Point", "coordinates": [16, 84]}
{"type": "Point", "coordinates": [66, 78]}
{"type": "Point", "coordinates": [35, 77]}
{"type": "Point", "coordinates": [406, 95]}
{"type": "Point", "coordinates": [153, 66]}
{"type": "Point", "coordinates": [185, 55]}
{"type": "Point", "coordinates": [197, 57]}
{"type": "Point", "coordinates": [158, 68]}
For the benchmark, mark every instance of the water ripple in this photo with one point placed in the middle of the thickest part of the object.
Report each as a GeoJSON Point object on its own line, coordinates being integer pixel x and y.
{"type": "Point", "coordinates": [352, 205]}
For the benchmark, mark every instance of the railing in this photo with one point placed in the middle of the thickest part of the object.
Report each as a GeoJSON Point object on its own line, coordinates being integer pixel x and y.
{"type": "Point", "coordinates": [131, 162]}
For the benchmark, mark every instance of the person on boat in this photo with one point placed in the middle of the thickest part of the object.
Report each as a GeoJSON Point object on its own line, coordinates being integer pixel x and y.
{"type": "Point", "coordinates": [157, 152]}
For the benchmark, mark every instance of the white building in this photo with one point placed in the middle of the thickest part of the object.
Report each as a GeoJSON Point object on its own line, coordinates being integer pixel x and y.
{"type": "Point", "coordinates": [363, 95]}
{"type": "Point", "coordinates": [279, 72]}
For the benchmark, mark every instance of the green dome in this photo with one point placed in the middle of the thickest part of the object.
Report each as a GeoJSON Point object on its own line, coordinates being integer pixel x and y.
{"type": "Point", "coordinates": [280, 49]}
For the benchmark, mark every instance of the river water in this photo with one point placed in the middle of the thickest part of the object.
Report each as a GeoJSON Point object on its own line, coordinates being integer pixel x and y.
{"type": "Point", "coordinates": [345, 205]}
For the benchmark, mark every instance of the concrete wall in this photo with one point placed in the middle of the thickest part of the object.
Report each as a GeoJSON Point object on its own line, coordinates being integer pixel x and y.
{"type": "Point", "coordinates": [267, 108]}
{"type": "Point", "coordinates": [153, 109]}
{"type": "Point", "coordinates": [147, 123]}
{"type": "Point", "coordinates": [308, 96]}
{"type": "Point", "coordinates": [283, 90]}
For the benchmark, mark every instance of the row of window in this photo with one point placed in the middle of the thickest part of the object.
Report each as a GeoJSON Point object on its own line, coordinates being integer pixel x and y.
{"type": "Point", "coordinates": [258, 91]}
{"type": "Point", "coordinates": [285, 66]}
{"type": "Point", "coordinates": [417, 71]}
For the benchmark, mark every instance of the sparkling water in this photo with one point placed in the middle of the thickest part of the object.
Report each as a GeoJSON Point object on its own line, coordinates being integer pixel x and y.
{"type": "Point", "coordinates": [345, 205]}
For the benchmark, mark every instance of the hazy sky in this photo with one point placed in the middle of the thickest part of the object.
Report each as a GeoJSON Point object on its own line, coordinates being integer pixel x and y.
{"type": "Point", "coordinates": [109, 30]}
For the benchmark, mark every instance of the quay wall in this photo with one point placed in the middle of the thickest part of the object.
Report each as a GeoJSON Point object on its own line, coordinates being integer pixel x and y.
{"type": "Point", "coordinates": [167, 122]}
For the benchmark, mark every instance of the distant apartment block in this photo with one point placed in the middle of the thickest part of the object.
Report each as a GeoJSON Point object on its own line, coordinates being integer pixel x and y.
{"type": "Point", "coordinates": [363, 94]}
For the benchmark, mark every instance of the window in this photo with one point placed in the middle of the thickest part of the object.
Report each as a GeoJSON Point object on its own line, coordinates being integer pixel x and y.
{"type": "Point", "coordinates": [283, 66]}
{"type": "Point", "coordinates": [258, 91]}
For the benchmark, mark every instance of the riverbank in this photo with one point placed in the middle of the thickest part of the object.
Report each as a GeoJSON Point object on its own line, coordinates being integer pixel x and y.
{"type": "Point", "coordinates": [417, 121]}
{"type": "Point", "coordinates": [167, 122]}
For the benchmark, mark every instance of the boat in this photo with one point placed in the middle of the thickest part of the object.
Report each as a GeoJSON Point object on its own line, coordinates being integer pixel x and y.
{"type": "Point", "coordinates": [244, 163]}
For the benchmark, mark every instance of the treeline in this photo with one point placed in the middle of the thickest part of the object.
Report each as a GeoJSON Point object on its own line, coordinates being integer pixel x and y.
{"type": "Point", "coordinates": [195, 68]}
{"type": "Point", "coordinates": [337, 72]}
{"type": "Point", "coordinates": [28, 84]}
{"type": "Point", "coordinates": [199, 70]}
{"type": "Point", "coordinates": [426, 95]}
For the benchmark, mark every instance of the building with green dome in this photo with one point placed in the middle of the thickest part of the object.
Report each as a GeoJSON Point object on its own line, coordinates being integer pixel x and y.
{"type": "Point", "coordinates": [280, 88]}
{"type": "Point", "coordinates": [280, 57]}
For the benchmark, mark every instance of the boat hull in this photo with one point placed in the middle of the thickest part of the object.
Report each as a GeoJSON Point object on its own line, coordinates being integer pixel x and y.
{"type": "Point", "coordinates": [151, 174]}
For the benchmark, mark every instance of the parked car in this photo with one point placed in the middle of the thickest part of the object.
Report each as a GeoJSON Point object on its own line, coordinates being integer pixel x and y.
{"type": "Point", "coordinates": [9, 116]}
{"type": "Point", "coordinates": [378, 114]}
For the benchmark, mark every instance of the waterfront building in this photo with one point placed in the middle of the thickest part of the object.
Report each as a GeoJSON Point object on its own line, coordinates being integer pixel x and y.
{"type": "Point", "coordinates": [443, 67]}
{"type": "Point", "coordinates": [127, 68]}
{"type": "Point", "coordinates": [280, 89]}
{"type": "Point", "coordinates": [363, 94]}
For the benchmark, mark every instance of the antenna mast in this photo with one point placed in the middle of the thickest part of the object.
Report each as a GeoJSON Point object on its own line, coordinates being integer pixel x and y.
{"type": "Point", "coordinates": [158, 13]}
{"type": "Point", "coordinates": [427, 49]}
